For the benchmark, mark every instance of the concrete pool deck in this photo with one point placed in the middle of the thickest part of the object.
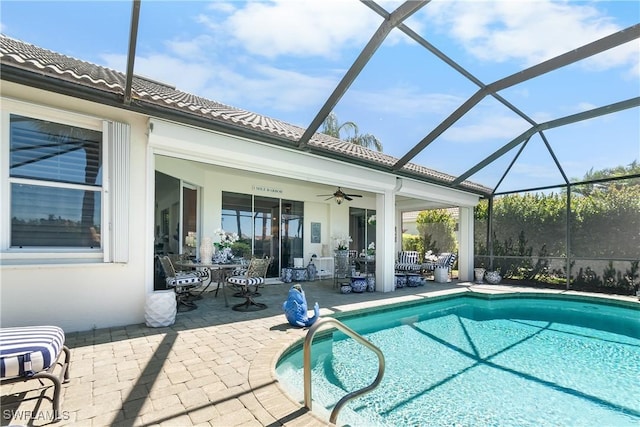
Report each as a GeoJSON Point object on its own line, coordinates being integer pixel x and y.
{"type": "Point", "coordinates": [213, 367]}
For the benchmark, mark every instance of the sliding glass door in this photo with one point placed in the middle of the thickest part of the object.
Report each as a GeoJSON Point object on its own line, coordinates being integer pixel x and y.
{"type": "Point", "coordinates": [292, 226]}
{"type": "Point", "coordinates": [362, 228]}
{"type": "Point", "coordinates": [267, 226]}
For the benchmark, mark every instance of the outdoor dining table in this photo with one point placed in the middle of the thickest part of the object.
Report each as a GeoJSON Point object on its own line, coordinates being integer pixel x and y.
{"type": "Point", "coordinates": [223, 270]}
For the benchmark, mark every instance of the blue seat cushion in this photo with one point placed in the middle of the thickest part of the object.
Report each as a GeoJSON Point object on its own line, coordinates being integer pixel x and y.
{"type": "Point", "coordinates": [25, 351]}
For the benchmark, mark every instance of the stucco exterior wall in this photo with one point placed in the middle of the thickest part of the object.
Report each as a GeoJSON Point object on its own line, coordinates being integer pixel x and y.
{"type": "Point", "coordinates": [79, 296]}
{"type": "Point", "coordinates": [82, 296]}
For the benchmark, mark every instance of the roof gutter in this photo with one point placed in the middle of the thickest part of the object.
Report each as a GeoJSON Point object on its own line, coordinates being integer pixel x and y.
{"type": "Point", "coordinates": [112, 99]}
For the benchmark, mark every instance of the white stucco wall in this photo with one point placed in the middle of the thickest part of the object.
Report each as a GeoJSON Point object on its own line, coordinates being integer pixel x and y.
{"type": "Point", "coordinates": [79, 297]}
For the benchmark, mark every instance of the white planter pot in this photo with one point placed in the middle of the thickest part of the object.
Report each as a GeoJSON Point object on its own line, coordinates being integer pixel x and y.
{"type": "Point", "coordinates": [479, 274]}
{"type": "Point", "coordinates": [160, 309]}
{"type": "Point", "coordinates": [441, 275]}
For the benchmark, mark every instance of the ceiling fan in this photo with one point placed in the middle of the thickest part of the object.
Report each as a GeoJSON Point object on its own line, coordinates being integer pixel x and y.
{"type": "Point", "coordinates": [340, 196]}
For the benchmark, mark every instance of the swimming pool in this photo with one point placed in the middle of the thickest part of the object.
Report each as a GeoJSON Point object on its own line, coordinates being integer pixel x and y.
{"type": "Point", "coordinates": [476, 360]}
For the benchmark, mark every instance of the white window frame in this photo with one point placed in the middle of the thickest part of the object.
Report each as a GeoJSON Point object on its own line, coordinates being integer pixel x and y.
{"type": "Point", "coordinates": [115, 144]}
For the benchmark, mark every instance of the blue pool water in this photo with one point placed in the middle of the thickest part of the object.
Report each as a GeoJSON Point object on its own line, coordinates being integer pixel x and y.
{"type": "Point", "coordinates": [471, 361]}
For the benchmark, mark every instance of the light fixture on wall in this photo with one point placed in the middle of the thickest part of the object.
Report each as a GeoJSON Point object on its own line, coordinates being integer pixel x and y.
{"type": "Point", "coordinates": [340, 196]}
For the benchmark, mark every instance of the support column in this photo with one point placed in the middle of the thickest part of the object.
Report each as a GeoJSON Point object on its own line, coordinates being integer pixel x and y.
{"type": "Point", "coordinates": [465, 247]}
{"type": "Point", "coordinates": [385, 236]}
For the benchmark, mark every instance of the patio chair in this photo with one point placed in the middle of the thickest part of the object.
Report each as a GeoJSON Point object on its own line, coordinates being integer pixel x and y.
{"type": "Point", "coordinates": [408, 262]}
{"type": "Point", "coordinates": [35, 352]}
{"type": "Point", "coordinates": [445, 260]}
{"type": "Point", "coordinates": [254, 276]}
{"type": "Point", "coordinates": [181, 282]}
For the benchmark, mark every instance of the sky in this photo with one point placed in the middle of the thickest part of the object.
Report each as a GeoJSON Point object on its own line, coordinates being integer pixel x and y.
{"type": "Point", "coordinates": [284, 58]}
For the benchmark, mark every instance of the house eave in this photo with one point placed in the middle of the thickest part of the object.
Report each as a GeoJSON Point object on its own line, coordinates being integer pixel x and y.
{"type": "Point", "coordinates": [116, 100]}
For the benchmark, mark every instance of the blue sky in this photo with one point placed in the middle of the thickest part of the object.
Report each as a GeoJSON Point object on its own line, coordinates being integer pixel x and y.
{"type": "Point", "coordinates": [284, 58]}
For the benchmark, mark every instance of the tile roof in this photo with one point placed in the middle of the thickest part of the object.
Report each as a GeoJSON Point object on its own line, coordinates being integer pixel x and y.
{"type": "Point", "coordinates": [146, 92]}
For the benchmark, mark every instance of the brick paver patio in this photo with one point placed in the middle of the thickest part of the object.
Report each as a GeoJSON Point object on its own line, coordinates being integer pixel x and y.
{"type": "Point", "coordinates": [213, 367]}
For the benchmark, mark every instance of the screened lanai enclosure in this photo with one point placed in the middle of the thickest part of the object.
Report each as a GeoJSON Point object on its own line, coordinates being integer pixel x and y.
{"type": "Point", "coordinates": [532, 105]}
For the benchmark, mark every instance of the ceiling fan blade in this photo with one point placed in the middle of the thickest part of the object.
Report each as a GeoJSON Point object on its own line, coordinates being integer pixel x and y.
{"type": "Point", "coordinates": [346, 197]}
{"type": "Point", "coordinates": [330, 197]}
{"type": "Point", "coordinates": [354, 195]}
{"type": "Point", "coordinates": [323, 195]}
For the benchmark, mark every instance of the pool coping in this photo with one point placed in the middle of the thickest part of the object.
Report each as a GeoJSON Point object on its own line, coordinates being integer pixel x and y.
{"type": "Point", "coordinates": [280, 405]}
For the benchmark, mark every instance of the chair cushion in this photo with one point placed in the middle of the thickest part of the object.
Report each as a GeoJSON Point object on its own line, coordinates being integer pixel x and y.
{"type": "Point", "coordinates": [25, 351]}
{"type": "Point", "coordinates": [408, 257]}
{"type": "Point", "coordinates": [184, 279]}
{"type": "Point", "coordinates": [408, 267]}
{"type": "Point", "coordinates": [446, 260]}
{"type": "Point", "coordinates": [245, 281]}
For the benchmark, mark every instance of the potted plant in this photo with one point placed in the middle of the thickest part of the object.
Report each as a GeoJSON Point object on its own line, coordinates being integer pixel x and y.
{"type": "Point", "coordinates": [371, 251]}
{"type": "Point", "coordinates": [342, 242]}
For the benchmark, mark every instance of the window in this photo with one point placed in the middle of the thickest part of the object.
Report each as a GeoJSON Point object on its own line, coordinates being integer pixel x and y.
{"type": "Point", "coordinates": [55, 172]}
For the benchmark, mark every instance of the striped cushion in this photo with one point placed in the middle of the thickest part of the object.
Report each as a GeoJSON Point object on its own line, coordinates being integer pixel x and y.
{"type": "Point", "coordinates": [408, 267]}
{"type": "Point", "coordinates": [445, 259]}
{"type": "Point", "coordinates": [245, 281]}
{"type": "Point", "coordinates": [184, 279]}
{"type": "Point", "coordinates": [408, 261]}
{"type": "Point", "coordinates": [408, 257]}
{"type": "Point", "coordinates": [26, 351]}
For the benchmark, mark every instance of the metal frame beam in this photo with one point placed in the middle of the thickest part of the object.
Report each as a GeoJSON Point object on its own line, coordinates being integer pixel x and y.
{"type": "Point", "coordinates": [131, 57]}
{"type": "Point", "coordinates": [403, 12]}
{"type": "Point", "coordinates": [574, 118]}
{"type": "Point", "coordinates": [583, 52]}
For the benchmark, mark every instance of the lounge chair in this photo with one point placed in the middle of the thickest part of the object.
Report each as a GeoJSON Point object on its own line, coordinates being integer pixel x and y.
{"type": "Point", "coordinates": [35, 352]}
{"type": "Point", "coordinates": [408, 262]}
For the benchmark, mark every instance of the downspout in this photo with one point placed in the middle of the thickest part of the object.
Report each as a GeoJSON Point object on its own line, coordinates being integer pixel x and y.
{"type": "Point", "coordinates": [398, 186]}
{"type": "Point", "coordinates": [396, 189]}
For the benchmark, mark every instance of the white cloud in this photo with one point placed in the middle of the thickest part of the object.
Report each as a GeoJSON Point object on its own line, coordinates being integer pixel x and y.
{"type": "Point", "coordinates": [269, 87]}
{"type": "Point", "coordinates": [585, 106]}
{"type": "Point", "coordinates": [265, 86]}
{"type": "Point", "coordinates": [192, 48]}
{"type": "Point", "coordinates": [186, 76]}
{"type": "Point", "coordinates": [489, 127]}
{"type": "Point", "coordinates": [529, 31]}
{"type": "Point", "coordinates": [301, 28]}
{"type": "Point", "coordinates": [406, 101]}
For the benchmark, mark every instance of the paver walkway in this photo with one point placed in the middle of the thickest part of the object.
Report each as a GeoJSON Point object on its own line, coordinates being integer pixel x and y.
{"type": "Point", "coordinates": [213, 367]}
